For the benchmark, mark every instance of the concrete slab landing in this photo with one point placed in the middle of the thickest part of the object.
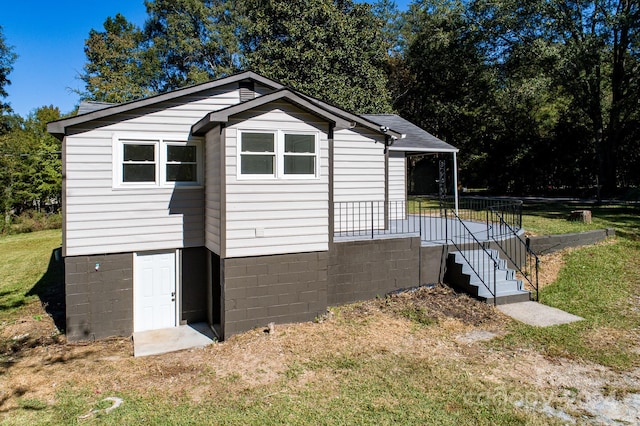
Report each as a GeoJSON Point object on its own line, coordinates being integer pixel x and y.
{"type": "Point", "coordinates": [155, 342]}
{"type": "Point", "coordinates": [534, 313]}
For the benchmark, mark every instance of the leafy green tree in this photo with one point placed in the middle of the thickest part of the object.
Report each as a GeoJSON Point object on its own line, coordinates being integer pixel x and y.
{"type": "Point", "coordinates": [593, 72]}
{"type": "Point", "coordinates": [193, 40]}
{"type": "Point", "coordinates": [7, 58]}
{"type": "Point", "coordinates": [10, 150]}
{"type": "Point", "coordinates": [30, 164]}
{"type": "Point", "coordinates": [119, 66]}
{"type": "Point", "coordinates": [595, 44]}
{"type": "Point", "coordinates": [46, 181]}
{"type": "Point", "coordinates": [444, 83]}
{"type": "Point", "coordinates": [537, 94]}
{"type": "Point", "coordinates": [330, 49]}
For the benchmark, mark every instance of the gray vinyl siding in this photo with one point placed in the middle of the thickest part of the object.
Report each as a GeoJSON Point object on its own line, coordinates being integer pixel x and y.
{"type": "Point", "coordinates": [292, 213]}
{"type": "Point", "coordinates": [397, 185]}
{"type": "Point", "coordinates": [213, 191]}
{"type": "Point", "coordinates": [104, 219]}
{"type": "Point", "coordinates": [359, 166]}
{"type": "Point", "coordinates": [262, 90]}
{"type": "Point", "coordinates": [358, 181]}
{"type": "Point", "coordinates": [397, 176]}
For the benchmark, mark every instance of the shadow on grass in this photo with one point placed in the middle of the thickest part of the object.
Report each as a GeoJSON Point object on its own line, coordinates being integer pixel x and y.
{"type": "Point", "coordinates": [11, 305]}
{"type": "Point", "coordinates": [50, 290]}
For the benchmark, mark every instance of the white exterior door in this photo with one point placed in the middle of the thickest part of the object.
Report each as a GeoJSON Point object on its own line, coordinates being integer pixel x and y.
{"type": "Point", "coordinates": [154, 291]}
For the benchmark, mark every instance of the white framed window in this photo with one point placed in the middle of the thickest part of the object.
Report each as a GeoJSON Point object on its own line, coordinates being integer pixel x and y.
{"type": "Point", "coordinates": [139, 162]}
{"type": "Point", "coordinates": [258, 154]}
{"type": "Point", "coordinates": [280, 154]}
{"type": "Point", "coordinates": [299, 154]}
{"type": "Point", "coordinates": [181, 163]}
{"type": "Point", "coordinates": [156, 162]}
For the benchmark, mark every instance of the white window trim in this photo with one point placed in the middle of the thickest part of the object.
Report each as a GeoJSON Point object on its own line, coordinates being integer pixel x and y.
{"type": "Point", "coordinates": [164, 162]}
{"type": "Point", "coordinates": [160, 142]}
{"type": "Point", "coordinates": [120, 161]}
{"type": "Point", "coordinates": [256, 176]}
{"type": "Point", "coordinates": [279, 156]}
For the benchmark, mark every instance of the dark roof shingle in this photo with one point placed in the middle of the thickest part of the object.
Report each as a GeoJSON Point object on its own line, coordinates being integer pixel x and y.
{"type": "Point", "coordinates": [416, 139]}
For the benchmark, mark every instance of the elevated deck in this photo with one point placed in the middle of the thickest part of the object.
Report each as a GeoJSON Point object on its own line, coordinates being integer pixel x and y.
{"type": "Point", "coordinates": [431, 230]}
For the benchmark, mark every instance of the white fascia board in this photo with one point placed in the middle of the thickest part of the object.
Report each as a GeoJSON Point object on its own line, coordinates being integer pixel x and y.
{"type": "Point", "coordinates": [431, 150]}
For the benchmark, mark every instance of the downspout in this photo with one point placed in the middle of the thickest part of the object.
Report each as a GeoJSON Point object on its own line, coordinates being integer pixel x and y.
{"type": "Point", "coordinates": [455, 180]}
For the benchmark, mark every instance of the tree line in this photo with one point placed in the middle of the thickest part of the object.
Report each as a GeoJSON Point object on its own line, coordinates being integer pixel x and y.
{"type": "Point", "coordinates": [539, 96]}
{"type": "Point", "coordinates": [30, 160]}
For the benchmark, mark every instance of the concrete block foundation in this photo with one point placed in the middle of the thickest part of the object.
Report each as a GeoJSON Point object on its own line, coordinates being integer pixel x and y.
{"type": "Point", "coordinates": [238, 294]}
{"type": "Point", "coordinates": [99, 300]}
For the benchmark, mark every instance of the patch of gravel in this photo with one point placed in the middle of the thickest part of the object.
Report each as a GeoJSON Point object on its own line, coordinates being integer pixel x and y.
{"type": "Point", "coordinates": [588, 393]}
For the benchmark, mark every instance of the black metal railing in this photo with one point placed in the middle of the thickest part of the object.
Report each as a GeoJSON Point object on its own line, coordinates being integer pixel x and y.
{"type": "Point", "coordinates": [430, 218]}
{"type": "Point", "coordinates": [372, 218]}
{"type": "Point", "coordinates": [520, 255]}
{"type": "Point", "coordinates": [476, 254]}
{"type": "Point", "coordinates": [475, 209]}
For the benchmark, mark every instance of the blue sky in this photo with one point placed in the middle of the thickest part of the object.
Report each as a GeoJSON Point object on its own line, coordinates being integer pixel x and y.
{"type": "Point", "coordinates": [48, 37]}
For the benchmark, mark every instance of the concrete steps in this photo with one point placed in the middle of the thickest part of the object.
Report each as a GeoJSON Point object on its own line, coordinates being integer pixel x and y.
{"type": "Point", "coordinates": [468, 276]}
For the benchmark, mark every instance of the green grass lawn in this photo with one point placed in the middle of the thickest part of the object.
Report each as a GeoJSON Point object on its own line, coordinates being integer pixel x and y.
{"type": "Point", "coordinates": [23, 265]}
{"type": "Point", "coordinates": [600, 283]}
{"type": "Point", "coordinates": [551, 218]}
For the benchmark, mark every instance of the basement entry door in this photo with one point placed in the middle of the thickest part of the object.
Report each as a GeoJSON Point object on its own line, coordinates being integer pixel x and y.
{"type": "Point", "coordinates": [154, 291]}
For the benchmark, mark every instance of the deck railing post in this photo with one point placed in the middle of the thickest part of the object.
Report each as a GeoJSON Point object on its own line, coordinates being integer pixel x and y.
{"type": "Point", "coordinates": [446, 224]}
{"type": "Point", "coordinates": [372, 220]}
{"type": "Point", "coordinates": [446, 230]}
{"type": "Point", "coordinates": [495, 267]}
{"type": "Point", "coordinates": [488, 234]}
{"type": "Point", "coordinates": [420, 217]}
{"type": "Point", "coordinates": [537, 264]}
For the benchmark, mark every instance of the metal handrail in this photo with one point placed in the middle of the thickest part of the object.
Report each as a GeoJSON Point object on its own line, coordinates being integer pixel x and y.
{"type": "Point", "coordinates": [477, 245]}
{"type": "Point", "coordinates": [512, 248]}
{"type": "Point", "coordinates": [474, 208]}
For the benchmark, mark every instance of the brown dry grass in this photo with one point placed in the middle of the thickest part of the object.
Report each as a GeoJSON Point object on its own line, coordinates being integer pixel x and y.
{"type": "Point", "coordinates": [39, 362]}
{"type": "Point", "coordinates": [44, 363]}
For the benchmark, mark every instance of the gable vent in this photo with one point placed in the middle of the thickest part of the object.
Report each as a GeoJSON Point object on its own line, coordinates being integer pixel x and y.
{"type": "Point", "coordinates": [247, 91]}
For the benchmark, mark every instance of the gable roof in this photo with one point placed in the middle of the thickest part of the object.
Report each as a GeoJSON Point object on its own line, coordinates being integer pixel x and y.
{"type": "Point", "coordinates": [341, 119]}
{"type": "Point", "coordinates": [416, 140]}
{"type": "Point", "coordinates": [362, 119]}
{"type": "Point", "coordinates": [58, 127]}
{"type": "Point", "coordinates": [332, 113]}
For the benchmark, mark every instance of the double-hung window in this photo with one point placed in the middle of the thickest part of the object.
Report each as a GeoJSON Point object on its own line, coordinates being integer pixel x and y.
{"type": "Point", "coordinates": [299, 154]}
{"type": "Point", "coordinates": [156, 162]}
{"type": "Point", "coordinates": [182, 163]}
{"type": "Point", "coordinates": [139, 162]}
{"type": "Point", "coordinates": [257, 154]}
{"type": "Point", "coordinates": [280, 154]}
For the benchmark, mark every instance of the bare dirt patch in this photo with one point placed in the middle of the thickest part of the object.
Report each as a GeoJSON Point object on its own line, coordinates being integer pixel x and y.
{"type": "Point", "coordinates": [550, 266]}
{"type": "Point", "coordinates": [436, 303]}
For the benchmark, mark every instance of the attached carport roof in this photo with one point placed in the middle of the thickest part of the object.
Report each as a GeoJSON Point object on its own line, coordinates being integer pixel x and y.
{"type": "Point", "coordinates": [416, 140]}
